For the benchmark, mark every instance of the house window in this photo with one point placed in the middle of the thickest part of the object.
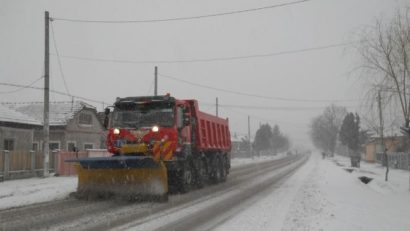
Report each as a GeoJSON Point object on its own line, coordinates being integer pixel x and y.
{"type": "Point", "coordinates": [85, 119]}
{"type": "Point", "coordinates": [71, 147]}
{"type": "Point", "coordinates": [54, 146]}
{"type": "Point", "coordinates": [88, 146]}
{"type": "Point", "coordinates": [9, 144]}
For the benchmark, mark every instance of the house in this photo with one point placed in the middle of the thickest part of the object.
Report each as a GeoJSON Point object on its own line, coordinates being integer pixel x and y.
{"type": "Point", "coordinates": [16, 129]}
{"type": "Point", "coordinates": [391, 143]}
{"type": "Point", "coordinates": [240, 146]}
{"type": "Point", "coordinates": [74, 125]}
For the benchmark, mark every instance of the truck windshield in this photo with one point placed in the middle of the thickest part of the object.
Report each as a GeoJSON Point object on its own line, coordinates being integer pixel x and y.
{"type": "Point", "coordinates": [138, 117]}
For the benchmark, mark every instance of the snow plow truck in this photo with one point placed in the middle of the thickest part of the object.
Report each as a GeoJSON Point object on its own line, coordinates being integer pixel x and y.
{"type": "Point", "coordinates": [157, 143]}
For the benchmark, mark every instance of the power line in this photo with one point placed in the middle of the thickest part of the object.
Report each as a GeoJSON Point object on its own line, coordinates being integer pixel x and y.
{"type": "Point", "coordinates": [183, 18]}
{"type": "Point", "coordinates": [253, 95]}
{"type": "Point", "coordinates": [58, 59]}
{"type": "Point", "coordinates": [150, 86]}
{"type": "Point", "coordinates": [253, 107]}
{"type": "Point", "coordinates": [55, 91]}
{"type": "Point", "coordinates": [22, 87]}
{"type": "Point", "coordinates": [202, 60]}
{"type": "Point", "coordinates": [263, 119]}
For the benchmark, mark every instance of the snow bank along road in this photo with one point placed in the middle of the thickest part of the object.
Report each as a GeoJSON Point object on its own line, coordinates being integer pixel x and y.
{"type": "Point", "coordinates": [200, 209]}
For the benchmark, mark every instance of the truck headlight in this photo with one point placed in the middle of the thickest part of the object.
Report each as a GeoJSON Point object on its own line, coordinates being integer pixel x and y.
{"type": "Point", "coordinates": [116, 131]}
{"type": "Point", "coordinates": [155, 129]}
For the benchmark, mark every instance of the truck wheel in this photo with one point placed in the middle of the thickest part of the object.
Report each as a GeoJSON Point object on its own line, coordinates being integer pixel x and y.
{"type": "Point", "coordinates": [219, 173]}
{"type": "Point", "coordinates": [185, 178]}
{"type": "Point", "coordinates": [215, 173]}
{"type": "Point", "coordinates": [200, 174]}
{"type": "Point", "coordinates": [222, 169]}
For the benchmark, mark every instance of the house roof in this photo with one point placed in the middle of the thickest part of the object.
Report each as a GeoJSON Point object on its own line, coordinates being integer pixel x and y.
{"type": "Point", "coordinates": [60, 112]}
{"type": "Point", "coordinates": [9, 115]}
{"type": "Point", "coordinates": [238, 138]}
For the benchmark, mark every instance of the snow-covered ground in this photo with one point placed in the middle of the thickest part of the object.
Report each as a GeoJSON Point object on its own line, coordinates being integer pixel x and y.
{"type": "Point", "coordinates": [17, 193]}
{"type": "Point", "coordinates": [235, 162]}
{"type": "Point", "coordinates": [321, 195]}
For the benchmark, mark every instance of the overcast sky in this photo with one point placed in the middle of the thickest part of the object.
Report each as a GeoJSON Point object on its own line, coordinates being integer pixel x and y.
{"type": "Point", "coordinates": [287, 89]}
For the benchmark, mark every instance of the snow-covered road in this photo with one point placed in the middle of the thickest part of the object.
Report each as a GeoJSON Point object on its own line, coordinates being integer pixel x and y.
{"type": "Point", "coordinates": [72, 214]}
{"type": "Point", "coordinates": [16, 193]}
{"type": "Point", "coordinates": [321, 195]}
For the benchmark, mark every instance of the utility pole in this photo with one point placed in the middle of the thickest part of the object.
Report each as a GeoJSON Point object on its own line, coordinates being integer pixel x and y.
{"type": "Point", "coordinates": [46, 126]}
{"type": "Point", "coordinates": [385, 158]}
{"type": "Point", "coordinates": [156, 82]}
{"type": "Point", "coordinates": [216, 106]}
{"type": "Point", "coordinates": [249, 136]}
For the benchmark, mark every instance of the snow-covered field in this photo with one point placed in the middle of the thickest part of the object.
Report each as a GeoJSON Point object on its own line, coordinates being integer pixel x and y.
{"type": "Point", "coordinates": [321, 195]}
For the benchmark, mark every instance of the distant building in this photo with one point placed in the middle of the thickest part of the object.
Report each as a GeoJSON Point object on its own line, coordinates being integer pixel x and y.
{"type": "Point", "coordinates": [391, 143]}
{"type": "Point", "coordinates": [73, 125]}
{"type": "Point", "coordinates": [240, 146]}
{"type": "Point", "coordinates": [16, 129]}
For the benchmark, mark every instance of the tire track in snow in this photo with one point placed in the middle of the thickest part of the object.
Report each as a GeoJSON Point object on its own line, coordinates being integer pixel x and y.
{"type": "Point", "coordinates": [74, 214]}
{"type": "Point", "coordinates": [205, 215]}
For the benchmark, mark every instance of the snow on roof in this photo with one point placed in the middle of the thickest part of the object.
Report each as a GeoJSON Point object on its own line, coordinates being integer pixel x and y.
{"type": "Point", "coordinates": [10, 115]}
{"type": "Point", "coordinates": [238, 138]}
{"type": "Point", "coordinates": [60, 112]}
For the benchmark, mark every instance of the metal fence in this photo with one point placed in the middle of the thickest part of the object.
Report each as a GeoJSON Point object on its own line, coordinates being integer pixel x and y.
{"type": "Point", "coordinates": [399, 160]}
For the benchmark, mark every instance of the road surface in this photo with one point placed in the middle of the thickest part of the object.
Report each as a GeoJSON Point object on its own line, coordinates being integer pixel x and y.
{"type": "Point", "coordinates": [201, 209]}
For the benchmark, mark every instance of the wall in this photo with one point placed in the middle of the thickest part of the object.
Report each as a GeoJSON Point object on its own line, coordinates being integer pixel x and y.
{"type": "Point", "coordinates": [56, 134]}
{"type": "Point", "coordinates": [85, 133]}
{"type": "Point", "coordinates": [75, 132]}
{"type": "Point", "coordinates": [23, 138]}
{"type": "Point", "coordinates": [391, 143]}
{"type": "Point", "coordinates": [370, 153]}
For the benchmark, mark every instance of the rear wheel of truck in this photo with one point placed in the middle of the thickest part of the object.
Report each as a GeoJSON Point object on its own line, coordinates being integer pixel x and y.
{"type": "Point", "coordinates": [200, 174]}
{"type": "Point", "coordinates": [185, 178]}
{"type": "Point", "coordinates": [219, 171]}
{"type": "Point", "coordinates": [222, 169]}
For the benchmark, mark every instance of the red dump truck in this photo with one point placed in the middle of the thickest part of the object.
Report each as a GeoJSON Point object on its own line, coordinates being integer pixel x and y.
{"type": "Point", "coordinates": [157, 142]}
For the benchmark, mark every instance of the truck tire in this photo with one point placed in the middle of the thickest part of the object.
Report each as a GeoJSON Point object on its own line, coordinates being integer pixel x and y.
{"type": "Point", "coordinates": [222, 169]}
{"type": "Point", "coordinates": [185, 178]}
{"type": "Point", "coordinates": [200, 174]}
{"type": "Point", "coordinates": [219, 170]}
{"type": "Point", "coordinates": [214, 173]}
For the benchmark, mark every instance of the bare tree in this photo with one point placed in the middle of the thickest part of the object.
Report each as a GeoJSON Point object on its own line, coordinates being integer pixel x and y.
{"type": "Point", "coordinates": [325, 128]}
{"type": "Point", "coordinates": [385, 50]}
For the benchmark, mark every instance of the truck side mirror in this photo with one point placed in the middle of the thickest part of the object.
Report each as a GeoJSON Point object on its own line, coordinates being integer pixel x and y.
{"type": "Point", "coordinates": [187, 120]}
{"type": "Point", "coordinates": [183, 118]}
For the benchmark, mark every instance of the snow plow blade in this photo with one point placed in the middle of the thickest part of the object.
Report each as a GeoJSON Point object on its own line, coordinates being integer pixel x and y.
{"type": "Point", "coordinates": [131, 177]}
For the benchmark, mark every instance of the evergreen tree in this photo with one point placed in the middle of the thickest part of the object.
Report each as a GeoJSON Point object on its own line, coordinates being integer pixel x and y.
{"type": "Point", "coordinates": [350, 132]}
{"type": "Point", "coordinates": [351, 136]}
{"type": "Point", "coordinates": [263, 138]}
{"type": "Point", "coordinates": [278, 140]}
